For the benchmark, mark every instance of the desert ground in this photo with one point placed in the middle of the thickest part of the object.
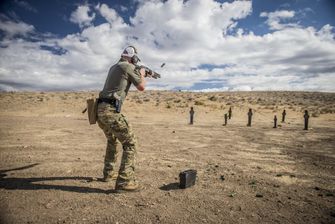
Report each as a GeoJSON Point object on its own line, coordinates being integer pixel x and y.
{"type": "Point", "coordinates": [52, 159]}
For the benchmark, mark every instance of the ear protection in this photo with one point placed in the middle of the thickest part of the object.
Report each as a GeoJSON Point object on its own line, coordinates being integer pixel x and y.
{"type": "Point", "coordinates": [131, 52]}
{"type": "Point", "coordinates": [135, 50]}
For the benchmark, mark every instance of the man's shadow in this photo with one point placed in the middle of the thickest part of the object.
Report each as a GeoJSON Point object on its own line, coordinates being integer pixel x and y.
{"type": "Point", "coordinates": [14, 183]}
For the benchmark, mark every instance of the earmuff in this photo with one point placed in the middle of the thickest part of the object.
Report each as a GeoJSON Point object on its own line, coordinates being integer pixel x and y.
{"type": "Point", "coordinates": [134, 59]}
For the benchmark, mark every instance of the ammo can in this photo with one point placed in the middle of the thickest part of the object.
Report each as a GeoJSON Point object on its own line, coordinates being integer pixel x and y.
{"type": "Point", "coordinates": [187, 178]}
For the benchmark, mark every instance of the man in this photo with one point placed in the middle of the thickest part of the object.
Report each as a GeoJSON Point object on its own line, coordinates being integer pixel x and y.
{"type": "Point", "coordinates": [114, 123]}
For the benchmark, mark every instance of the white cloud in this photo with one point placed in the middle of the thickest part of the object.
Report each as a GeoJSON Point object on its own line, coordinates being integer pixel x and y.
{"type": "Point", "coordinates": [11, 28]}
{"type": "Point", "coordinates": [110, 15]}
{"type": "Point", "coordinates": [206, 90]}
{"type": "Point", "coordinates": [186, 36]}
{"type": "Point", "coordinates": [275, 18]}
{"type": "Point", "coordinates": [326, 33]}
{"type": "Point", "coordinates": [81, 16]}
{"type": "Point", "coordinates": [123, 8]}
{"type": "Point", "coordinates": [181, 25]}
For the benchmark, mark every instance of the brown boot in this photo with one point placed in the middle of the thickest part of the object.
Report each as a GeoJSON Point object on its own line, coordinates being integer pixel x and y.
{"type": "Point", "coordinates": [109, 177]}
{"type": "Point", "coordinates": [131, 186]}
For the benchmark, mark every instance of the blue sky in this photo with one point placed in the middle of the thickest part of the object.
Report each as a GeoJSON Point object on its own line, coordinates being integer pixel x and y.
{"type": "Point", "coordinates": [207, 45]}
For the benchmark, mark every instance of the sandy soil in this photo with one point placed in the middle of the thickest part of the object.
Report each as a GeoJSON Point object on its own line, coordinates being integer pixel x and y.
{"type": "Point", "coordinates": [51, 159]}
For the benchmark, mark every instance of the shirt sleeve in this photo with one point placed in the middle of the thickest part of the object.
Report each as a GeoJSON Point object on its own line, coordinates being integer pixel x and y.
{"type": "Point", "coordinates": [134, 76]}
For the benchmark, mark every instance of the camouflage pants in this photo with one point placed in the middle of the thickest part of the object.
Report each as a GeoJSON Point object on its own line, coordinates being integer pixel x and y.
{"type": "Point", "coordinates": [116, 127]}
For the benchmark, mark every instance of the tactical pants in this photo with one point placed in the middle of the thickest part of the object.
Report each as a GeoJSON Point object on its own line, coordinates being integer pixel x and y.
{"type": "Point", "coordinates": [116, 127]}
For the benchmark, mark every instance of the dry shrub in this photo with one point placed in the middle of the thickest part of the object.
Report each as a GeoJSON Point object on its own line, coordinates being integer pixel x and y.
{"type": "Point", "coordinates": [182, 105]}
{"type": "Point", "coordinates": [316, 114]}
{"type": "Point", "coordinates": [199, 103]}
{"type": "Point", "coordinates": [213, 98]}
{"type": "Point", "coordinates": [269, 107]}
{"type": "Point", "coordinates": [326, 110]}
{"type": "Point", "coordinates": [170, 99]}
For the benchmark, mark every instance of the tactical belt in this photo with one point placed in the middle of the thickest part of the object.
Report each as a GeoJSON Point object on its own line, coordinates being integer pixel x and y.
{"type": "Point", "coordinates": [115, 103]}
{"type": "Point", "coordinates": [106, 100]}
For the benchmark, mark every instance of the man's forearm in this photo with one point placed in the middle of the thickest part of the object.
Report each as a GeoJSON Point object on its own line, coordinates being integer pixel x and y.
{"type": "Point", "coordinates": [142, 84]}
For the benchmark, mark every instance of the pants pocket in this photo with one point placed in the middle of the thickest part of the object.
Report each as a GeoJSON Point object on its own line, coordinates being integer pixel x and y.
{"type": "Point", "coordinates": [124, 120]}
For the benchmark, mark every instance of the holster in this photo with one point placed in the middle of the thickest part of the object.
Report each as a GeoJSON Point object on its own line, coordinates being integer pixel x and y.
{"type": "Point", "coordinates": [117, 104]}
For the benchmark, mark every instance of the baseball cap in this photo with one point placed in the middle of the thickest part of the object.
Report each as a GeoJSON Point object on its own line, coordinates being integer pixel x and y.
{"type": "Point", "coordinates": [130, 51]}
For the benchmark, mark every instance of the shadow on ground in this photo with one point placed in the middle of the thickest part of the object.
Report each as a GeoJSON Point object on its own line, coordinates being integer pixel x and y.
{"type": "Point", "coordinates": [169, 187]}
{"type": "Point", "coordinates": [13, 183]}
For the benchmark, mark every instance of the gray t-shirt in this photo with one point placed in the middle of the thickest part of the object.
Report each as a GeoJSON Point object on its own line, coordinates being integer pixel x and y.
{"type": "Point", "coordinates": [119, 79]}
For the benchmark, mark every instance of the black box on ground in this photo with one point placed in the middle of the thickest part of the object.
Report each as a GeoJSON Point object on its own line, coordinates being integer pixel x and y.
{"type": "Point", "coordinates": [187, 178]}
